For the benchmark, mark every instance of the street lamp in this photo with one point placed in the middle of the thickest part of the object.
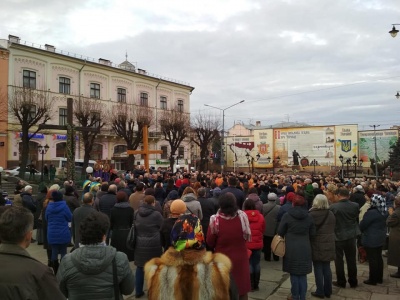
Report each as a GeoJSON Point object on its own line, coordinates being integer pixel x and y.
{"type": "Point", "coordinates": [314, 162]}
{"type": "Point", "coordinates": [348, 162]}
{"type": "Point", "coordinates": [397, 95]}
{"type": "Point", "coordinates": [223, 130]}
{"type": "Point", "coordinates": [355, 165]}
{"type": "Point", "coordinates": [394, 31]}
{"type": "Point", "coordinates": [43, 150]}
{"type": "Point", "coordinates": [1, 171]}
{"type": "Point", "coordinates": [274, 163]}
{"type": "Point", "coordinates": [341, 160]}
{"type": "Point", "coordinates": [251, 159]}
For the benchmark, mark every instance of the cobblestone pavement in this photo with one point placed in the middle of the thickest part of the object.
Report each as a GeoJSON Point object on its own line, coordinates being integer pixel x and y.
{"type": "Point", "coordinates": [275, 284]}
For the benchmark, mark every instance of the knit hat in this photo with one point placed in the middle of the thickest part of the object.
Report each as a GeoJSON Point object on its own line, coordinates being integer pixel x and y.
{"type": "Point", "coordinates": [28, 188]}
{"type": "Point", "coordinates": [216, 192]}
{"type": "Point", "coordinates": [289, 189]}
{"type": "Point", "coordinates": [315, 185]}
{"type": "Point", "coordinates": [290, 196]}
{"type": "Point", "coordinates": [379, 202]}
{"type": "Point", "coordinates": [117, 180]}
{"type": "Point", "coordinates": [57, 196]}
{"type": "Point", "coordinates": [172, 195]}
{"type": "Point", "coordinates": [359, 188]}
{"type": "Point", "coordinates": [187, 233]}
{"type": "Point", "coordinates": [272, 197]}
{"type": "Point", "coordinates": [178, 207]}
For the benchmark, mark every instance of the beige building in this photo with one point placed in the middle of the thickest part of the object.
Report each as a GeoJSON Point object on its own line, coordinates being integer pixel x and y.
{"type": "Point", "coordinates": [62, 74]}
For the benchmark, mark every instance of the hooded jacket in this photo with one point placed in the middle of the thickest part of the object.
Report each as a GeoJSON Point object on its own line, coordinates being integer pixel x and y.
{"type": "Point", "coordinates": [58, 216]}
{"type": "Point", "coordinates": [257, 225]}
{"type": "Point", "coordinates": [193, 206]}
{"type": "Point", "coordinates": [297, 227]}
{"type": "Point", "coordinates": [87, 273]}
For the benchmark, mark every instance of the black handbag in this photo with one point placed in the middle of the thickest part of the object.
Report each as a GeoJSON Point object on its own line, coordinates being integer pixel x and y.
{"type": "Point", "coordinates": [131, 238]}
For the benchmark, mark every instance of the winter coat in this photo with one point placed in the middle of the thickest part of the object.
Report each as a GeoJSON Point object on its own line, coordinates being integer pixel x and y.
{"type": "Point", "coordinates": [99, 194]}
{"type": "Point", "coordinates": [296, 227]}
{"type": "Point", "coordinates": [107, 202]}
{"type": "Point", "coordinates": [58, 216]}
{"type": "Point", "coordinates": [373, 229]}
{"type": "Point", "coordinates": [72, 202]}
{"type": "Point", "coordinates": [239, 195]}
{"type": "Point", "coordinates": [121, 219]}
{"type": "Point", "coordinates": [28, 202]}
{"type": "Point", "coordinates": [148, 241]}
{"type": "Point", "coordinates": [165, 231]}
{"type": "Point", "coordinates": [283, 210]}
{"type": "Point", "coordinates": [256, 199]}
{"type": "Point", "coordinates": [257, 226]}
{"type": "Point", "coordinates": [323, 243]}
{"type": "Point", "coordinates": [23, 277]}
{"type": "Point", "coordinates": [393, 222]}
{"type": "Point", "coordinates": [159, 194]}
{"type": "Point", "coordinates": [270, 213]}
{"type": "Point", "coordinates": [207, 210]}
{"type": "Point", "coordinates": [78, 216]}
{"type": "Point", "coordinates": [87, 273]}
{"type": "Point", "coordinates": [193, 206]}
{"type": "Point", "coordinates": [198, 273]}
{"type": "Point", "coordinates": [346, 214]}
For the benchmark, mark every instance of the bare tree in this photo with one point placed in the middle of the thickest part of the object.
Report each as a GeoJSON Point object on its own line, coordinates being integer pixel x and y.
{"type": "Point", "coordinates": [123, 120]}
{"type": "Point", "coordinates": [205, 130]}
{"type": "Point", "coordinates": [89, 113]}
{"type": "Point", "coordinates": [30, 108]}
{"type": "Point", "coordinates": [175, 126]}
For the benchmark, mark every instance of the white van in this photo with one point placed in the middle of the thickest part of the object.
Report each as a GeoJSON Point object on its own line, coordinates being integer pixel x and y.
{"type": "Point", "coordinates": [61, 165]}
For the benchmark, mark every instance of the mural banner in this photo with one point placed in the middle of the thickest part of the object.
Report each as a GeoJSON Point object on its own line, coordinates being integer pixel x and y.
{"type": "Point", "coordinates": [346, 142]}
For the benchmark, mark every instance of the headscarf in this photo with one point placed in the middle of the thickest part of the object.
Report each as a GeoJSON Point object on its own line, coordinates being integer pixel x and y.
{"type": "Point", "coordinates": [379, 202]}
{"type": "Point", "coordinates": [187, 233]}
{"type": "Point", "coordinates": [214, 223]}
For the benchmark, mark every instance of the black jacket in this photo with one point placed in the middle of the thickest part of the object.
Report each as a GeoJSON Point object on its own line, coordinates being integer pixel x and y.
{"type": "Point", "coordinates": [107, 202]}
{"type": "Point", "coordinates": [346, 213]}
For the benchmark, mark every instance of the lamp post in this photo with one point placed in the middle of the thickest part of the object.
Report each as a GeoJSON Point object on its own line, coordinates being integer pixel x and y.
{"type": "Point", "coordinates": [314, 162]}
{"type": "Point", "coordinates": [1, 171]}
{"type": "Point", "coordinates": [274, 163]}
{"type": "Point", "coordinates": [223, 130]}
{"type": "Point", "coordinates": [341, 160]}
{"type": "Point", "coordinates": [394, 31]}
{"type": "Point", "coordinates": [355, 165]}
{"type": "Point", "coordinates": [348, 162]}
{"type": "Point", "coordinates": [43, 150]}
{"type": "Point", "coordinates": [251, 159]}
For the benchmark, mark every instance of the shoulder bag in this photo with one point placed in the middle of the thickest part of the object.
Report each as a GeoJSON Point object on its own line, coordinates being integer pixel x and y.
{"type": "Point", "coordinates": [131, 238]}
{"type": "Point", "coordinates": [278, 245]}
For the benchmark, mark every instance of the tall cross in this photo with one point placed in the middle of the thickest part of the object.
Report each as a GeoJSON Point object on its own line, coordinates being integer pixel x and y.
{"type": "Point", "coordinates": [70, 128]}
{"type": "Point", "coordinates": [146, 152]}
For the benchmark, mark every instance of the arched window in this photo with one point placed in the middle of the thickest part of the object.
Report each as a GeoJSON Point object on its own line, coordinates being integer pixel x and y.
{"type": "Point", "coordinates": [61, 149]}
{"type": "Point", "coordinates": [120, 149]}
{"type": "Point", "coordinates": [32, 154]}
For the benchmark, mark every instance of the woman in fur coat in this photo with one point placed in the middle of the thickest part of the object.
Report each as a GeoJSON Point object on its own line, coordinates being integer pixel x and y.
{"type": "Point", "coordinates": [181, 270]}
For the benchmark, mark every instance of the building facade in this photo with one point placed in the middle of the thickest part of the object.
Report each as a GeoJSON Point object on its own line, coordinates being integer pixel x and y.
{"type": "Point", "coordinates": [60, 75]}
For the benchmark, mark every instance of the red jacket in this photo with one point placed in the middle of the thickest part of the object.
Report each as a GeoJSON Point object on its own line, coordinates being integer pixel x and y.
{"type": "Point", "coordinates": [257, 226]}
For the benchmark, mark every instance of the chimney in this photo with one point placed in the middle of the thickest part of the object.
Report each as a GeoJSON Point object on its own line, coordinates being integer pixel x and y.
{"type": "Point", "coordinates": [141, 71]}
{"type": "Point", "coordinates": [13, 39]}
{"type": "Point", "coordinates": [50, 48]}
{"type": "Point", "coordinates": [258, 123]}
{"type": "Point", "coordinates": [104, 62]}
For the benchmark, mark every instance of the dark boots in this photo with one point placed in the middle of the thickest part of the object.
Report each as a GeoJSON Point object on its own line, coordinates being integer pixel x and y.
{"type": "Point", "coordinates": [256, 280]}
{"type": "Point", "coordinates": [55, 265]}
{"type": "Point", "coordinates": [252, 281]}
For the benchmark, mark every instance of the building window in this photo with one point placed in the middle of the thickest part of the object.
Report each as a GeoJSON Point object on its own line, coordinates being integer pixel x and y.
{"type": "Point", "coordinates": [32, 113]}
{"type": "Point", "coordinates": [97, 152]}
{"type": "Point", "coordinates": [120, 149]}
{"type": "Point", "coordinates": [95, 119]}
{"type": "Point", "coordinates": [121, 95]}
{"type": "Point", "coordinates": [61, 150]}
{"type": "Point", "coordinates": [29, 79]}
{"type": "Point", "coordinates": [164, 154]}
{"type": "Point", "coordinates": [181, 152]}
{"type": "Point", "coordinates": [144, 99]}
{"type": "Point", "coordinates": [63, 116]}
{"type": "Point", "coordinates": [163, 102]}
{"type": "Point", "coordinates": [95, 90]}
{"type": "Point", "coordinates": [64, 85]}
{"type": "Point", "coordinates": [180, 105]}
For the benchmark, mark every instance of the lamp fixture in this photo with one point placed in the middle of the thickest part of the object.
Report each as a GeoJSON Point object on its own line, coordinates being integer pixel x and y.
{"type": "Point", "coordinates": [397, 95]}
{"type": "Point", "coordinates": [394, 31]}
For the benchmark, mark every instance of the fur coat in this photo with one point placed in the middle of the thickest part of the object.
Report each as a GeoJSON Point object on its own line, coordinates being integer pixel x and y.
{"type": "Point", "coordinates": [188, 274]}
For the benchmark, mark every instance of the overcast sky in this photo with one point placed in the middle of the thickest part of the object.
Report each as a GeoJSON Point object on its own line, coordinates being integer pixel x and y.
{"type": "Point", "coordinates": [315, 61]}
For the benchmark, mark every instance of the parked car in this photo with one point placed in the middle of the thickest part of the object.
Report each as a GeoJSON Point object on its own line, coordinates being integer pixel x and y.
{"type": "Point", "coordinates": [15, 172]}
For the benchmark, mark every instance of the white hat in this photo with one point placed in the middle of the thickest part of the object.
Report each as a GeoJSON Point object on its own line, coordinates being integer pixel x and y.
{"type": "Point", "coordinates": [315, 185]}
{"type": "Point", "coordinates": [27, 188]}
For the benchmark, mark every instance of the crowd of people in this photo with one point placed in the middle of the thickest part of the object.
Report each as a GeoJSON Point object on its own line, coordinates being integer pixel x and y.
{"type": "Point", "coordinates": [207, 231]}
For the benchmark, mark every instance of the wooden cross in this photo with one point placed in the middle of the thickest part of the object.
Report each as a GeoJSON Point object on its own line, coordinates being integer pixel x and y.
{"type": "Point", "coordinates": [146, 152]}
{"type": "Point", "coordinates": [70, 128]}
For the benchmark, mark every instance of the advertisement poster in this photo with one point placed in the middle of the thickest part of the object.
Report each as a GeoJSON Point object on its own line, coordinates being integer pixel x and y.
{"type": "Point", "coordinates": [263, 145]}
{"type": "Point", "coordinates": [346, 142]}
{"type": "Point", "coordinates": [384, 139]}
{"type": "Point", "coordinates": [236, 149]}
{"type": "Point", "coordinates": [301, 146]}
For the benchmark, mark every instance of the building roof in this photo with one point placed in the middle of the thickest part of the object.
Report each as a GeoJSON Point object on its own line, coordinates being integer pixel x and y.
{"type": "Point", "coordinates": [277, 125]}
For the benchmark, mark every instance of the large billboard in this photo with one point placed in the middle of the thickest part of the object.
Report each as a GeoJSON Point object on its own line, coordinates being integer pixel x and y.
{"type": "Point", "coordinates": [263, 142]}
{"type": "Point", "coordinates": [346, 142]}
{"type": "Point", "coordinates": [301, 146]}
{"type": "Point", "coordinates": [384, 139]}
{"type": "Point", "coordinates": [236, 149]}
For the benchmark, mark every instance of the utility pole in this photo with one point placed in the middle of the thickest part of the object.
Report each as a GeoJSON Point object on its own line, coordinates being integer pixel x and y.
{"type": "Point", "coordinates": [376, 153]}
